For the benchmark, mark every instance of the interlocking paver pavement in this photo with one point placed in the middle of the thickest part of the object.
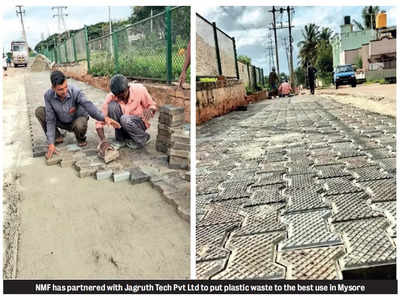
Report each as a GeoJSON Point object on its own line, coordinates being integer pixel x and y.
{"type": "Point", "coordinates": [307, 186]}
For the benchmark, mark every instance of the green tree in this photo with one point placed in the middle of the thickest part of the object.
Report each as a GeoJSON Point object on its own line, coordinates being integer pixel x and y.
{"type": "Point", "coordinates": [142, 12]}
{"type": "Point", "coordinates": [244, 59]}
{"type": "Point", "coordinates": [300, 76]}
{"type": "Point", "coordinates": [368, 15]}
{"type": "Point", "coordinates": [308, 46]}
{"type": "Point", "coordinates": [283, 77]}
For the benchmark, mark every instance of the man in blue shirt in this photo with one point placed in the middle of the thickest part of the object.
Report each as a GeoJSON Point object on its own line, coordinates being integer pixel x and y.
{"type": "Point", "coordinates": [66, 107]}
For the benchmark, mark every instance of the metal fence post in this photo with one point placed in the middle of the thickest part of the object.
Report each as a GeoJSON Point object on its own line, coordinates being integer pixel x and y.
{"type": "Point", "coordinates": [236, 61]}
{"type": "Point", "coordinates": [262, 74]}
{"type": "Point", "coordinates": [114, 39]}
{"type": "Point", "coordinates": [87, 48]}
{"type": "Point", "coordinates": [253, 70]}
{"type": "Point", "coordinates": [168, 41]}
{"type": "Point", "coordinates": [74, 46]}
{"type": "Point", "coordinates": [54, 49]}
{"type": "Point", "coordinates": [248, 74]}
{"type": "Point", "coordinates": [217, 49]}
{"type": "Point", "coordinates": [66, 51]}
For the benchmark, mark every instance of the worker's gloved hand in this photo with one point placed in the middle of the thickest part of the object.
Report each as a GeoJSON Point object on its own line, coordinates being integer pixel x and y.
{"type": "Point", "coordinates": [51, 150]}
{"type": "Point", "coordinates": [112, 122]}
{"type": "Point", "coordinates": [149, 113]}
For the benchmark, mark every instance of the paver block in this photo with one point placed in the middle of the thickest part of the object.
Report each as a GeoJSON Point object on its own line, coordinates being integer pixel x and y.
{"type": "Point", "coordinates": [87, 171]}
{"type": "Point", "coordinates": [331, 171]}
{"type": "Point", "coordinates": [301, 181]}
{"type": "Point", "coordinates": [308, 229]}
{"type": "Point", "coordinates": [223, 213]}
{"type": "Point", "coordinates": [207, 269]}
{"type": "Point", "coordinates": [262, 179]}
{"type": "Point", "coordinates": [273, 167]}
{"type": "Point", "coordinates": [367, 243]}
{"type": "Point", "coordinates": [388, 164]}
{"type": "Point", "coordinates": [389, 209]}
{"type": "Point", "coordinates": [233, 190]}
{"type": "Point", "coordinates": [353, 206]}
{"type": "Point", "coordinates": [242, 174]}
{"type": "Point", "coordinates": [380, 153]}
{"type": "Point", "coordinates": [265, 195]}
{"type": "Point", "coordinates": [369, 173]}
{"type": "Point", "coordinates": [356, 162]}
{"type": "Point", "coordinates": [138, 176]}
{"type": "Point", "coordinates": [80, 164]}
{"type": "Point", "coordinates": [210, 240]}
{"type": "Point", "coordinates": [65, 163]}
{"type": "Point", "coordinates": [260, 219]}
{"type": "Point", "coordinates": [312, 264]}
{"type": "Point", "coordinates": [304, 199]}
{"type": "Point", "coordinates": [274, 157]}
{"type": "Point", "coordinates": [339, 185]}
{"type": "Point", "coordinates": [380, 190]}
{"type": "Point", "coordinates": [104, 174]}
{"type": "Point", "coordinates": [54, 160]}
{"type": "Point", "coordinates": [253, 257]}
{"type": "Point", "coordinates": [121, 176]}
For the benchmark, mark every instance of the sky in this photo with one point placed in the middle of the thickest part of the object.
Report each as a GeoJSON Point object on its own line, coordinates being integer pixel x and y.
{"type": "Point", "coordinates": [248, 24]}
{"type": "Point", "coordinates": [39, 20]}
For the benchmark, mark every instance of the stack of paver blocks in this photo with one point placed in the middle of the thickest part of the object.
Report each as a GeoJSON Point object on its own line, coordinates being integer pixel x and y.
{"type": "Point", "coordinates": [179, 154]}
{"type": "Point", "coordinates": [170, 120]}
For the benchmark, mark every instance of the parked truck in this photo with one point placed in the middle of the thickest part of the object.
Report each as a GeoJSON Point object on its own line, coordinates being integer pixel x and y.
{"type": "Point", "coordinates": [19, 50]}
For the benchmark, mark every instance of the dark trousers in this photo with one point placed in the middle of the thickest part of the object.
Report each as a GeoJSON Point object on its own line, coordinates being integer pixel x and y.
{"type": "Point", "coordinates": [132, 127]}
{"type": "Point", "coordinates": [78, 126]}
{"type": "Point", "coordinates": [312, 86]}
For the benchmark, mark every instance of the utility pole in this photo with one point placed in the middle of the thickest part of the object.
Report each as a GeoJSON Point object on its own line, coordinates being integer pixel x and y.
{"type": "Point", "coordinates": [290, 48]}
{"type": "Point", "coordinates": [21, 11]}
{"type": "Point", "coordinates": [110, 25]}
{"type": "Point", "coordinates": [61, 21]}
{"type": "Point", "coordinates": [276, 41]}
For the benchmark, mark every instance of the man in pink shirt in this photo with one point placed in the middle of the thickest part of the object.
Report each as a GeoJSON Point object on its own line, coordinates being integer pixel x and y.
{"type": "Point", "coordinates": [284, 89]}
{"type": "Point", "coordinates": [132, 107]}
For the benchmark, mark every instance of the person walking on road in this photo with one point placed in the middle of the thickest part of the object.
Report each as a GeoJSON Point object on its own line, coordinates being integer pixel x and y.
{"type": "Point", "coordinates": [311, 71]}
{"type": "Point", "coordinates": [132, 107]}
{"type": "Point", "coordinates": [273, 82]}
{"type": "Point", "coordinates": [66, 107]}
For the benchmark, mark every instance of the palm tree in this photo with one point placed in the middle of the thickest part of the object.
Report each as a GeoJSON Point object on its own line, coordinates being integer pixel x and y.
{"type": "Point", "coordinates": [308, 46]}
{"type": "Point", "coordinates": [325, 34]}
{"type": "Point", "coordinates": [368, 15]}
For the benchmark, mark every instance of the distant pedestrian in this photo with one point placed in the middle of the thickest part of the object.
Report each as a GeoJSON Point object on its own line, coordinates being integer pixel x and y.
{"type": "Point", "coordinates": [284, 89]}
{"type": "Point", "coordinates": [273, 82]}
{"type": "Point", "coordinates": [311, 71]}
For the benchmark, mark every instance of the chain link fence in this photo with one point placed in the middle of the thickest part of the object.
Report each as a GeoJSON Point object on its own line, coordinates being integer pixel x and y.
{"type": "Point", "coordinates": [216, 56]}
{"type": "Point", "coordinates": [153, 48]}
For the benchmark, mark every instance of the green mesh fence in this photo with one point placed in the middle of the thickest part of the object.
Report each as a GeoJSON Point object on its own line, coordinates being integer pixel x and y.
{"type": "Point", "coordinates": [70, 50]}
{"type": "Point", "coordinates": [80, 45]}
{"type": "Point", "coordinates": [101, 58]}
{"type": "Point", "coordinates": [63, 57]}
{"type": "Point", "coordinates": [142, 49]}
{"type": "Point", "coordinates": [153, 48]}
{"type": "Point", "coordinates": [180, 36]}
